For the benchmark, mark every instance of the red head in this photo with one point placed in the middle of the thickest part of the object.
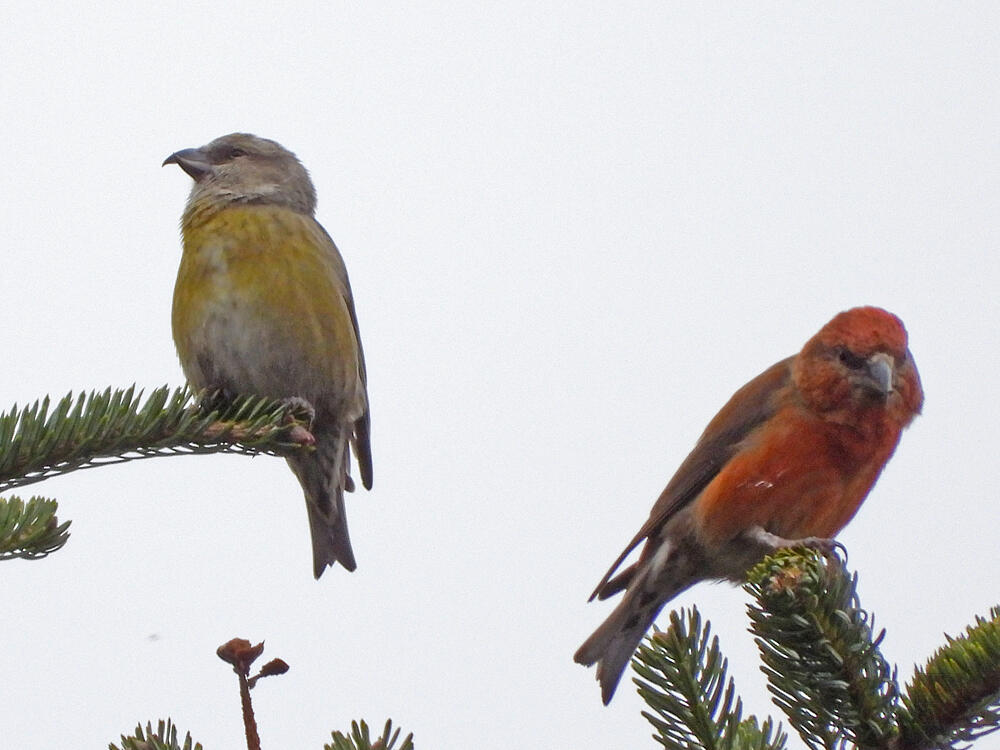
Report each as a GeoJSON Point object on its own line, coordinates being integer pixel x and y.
{"type": "Point", "coordinates": [858, 368]}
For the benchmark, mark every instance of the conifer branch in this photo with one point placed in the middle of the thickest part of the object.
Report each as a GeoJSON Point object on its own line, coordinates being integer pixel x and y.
{"type": "Point", "coordinates": [360, 739]}
{"type": "Point", "coordinates": [821, 659]}
{"type": "Point", "coordinates": [113, 426]}
{"type": "Point", "coordinates": [30, 530]}
{"type": "Point", "coordinates": [955, 698]}
{"type": "Point", "coordinates": [682, 678]}
{"type": "Point", "coordinates": [164, 738]}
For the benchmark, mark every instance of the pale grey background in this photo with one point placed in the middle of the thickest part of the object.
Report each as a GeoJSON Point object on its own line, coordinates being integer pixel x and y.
{"type": "Point", "coordinates": [573, 231]}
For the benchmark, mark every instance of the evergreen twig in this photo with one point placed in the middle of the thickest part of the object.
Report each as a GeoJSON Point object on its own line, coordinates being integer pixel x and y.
{"type": "Point", "coordinates": [164, 738]}
{"type": "Point", "coordinates": [955, 697]}
{"type": "Point", "coordinates": [682, 678]}
{"type": "Point", "coordinates": [821, 659]}
{"type": "Point", "coordinates": [360, 739]}
{"type": "Point", "coordinates": [113, 426]}
{"type": "Point", "coordinates": [30, 530]}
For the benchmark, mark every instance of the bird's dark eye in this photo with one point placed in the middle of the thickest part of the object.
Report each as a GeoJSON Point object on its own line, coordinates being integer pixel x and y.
{"type": "Point", "coordinates": [222, 154]}
{"type": "Point", "coordinates": [227, 153]}
{"type": "Point", "coordinates": [850, 359]}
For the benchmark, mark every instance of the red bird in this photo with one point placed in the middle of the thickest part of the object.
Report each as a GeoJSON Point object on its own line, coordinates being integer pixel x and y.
{"type": "Point", "coordinates": [787, 462]}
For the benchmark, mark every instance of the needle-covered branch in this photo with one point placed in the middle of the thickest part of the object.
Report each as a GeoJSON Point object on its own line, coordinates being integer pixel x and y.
{"type": "Point", "coordinates": [112, 426]}
{"type": "Point", "coordinates": [30, 530]}
{"type": "Point", "coordinates": [820, 655]}
{"type": "Point", "coordinates": [682, 678]}
{"type": "Point", "coordinates": [164, 738]}
{"type": "Point", "coordinates": [955, 697]}
{"type": "Point", "coordinates": [360, 739]}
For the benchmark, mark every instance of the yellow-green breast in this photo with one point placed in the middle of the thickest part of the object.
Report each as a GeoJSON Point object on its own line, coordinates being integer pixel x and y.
{"type": "Point", "coordinates": [261, 296]}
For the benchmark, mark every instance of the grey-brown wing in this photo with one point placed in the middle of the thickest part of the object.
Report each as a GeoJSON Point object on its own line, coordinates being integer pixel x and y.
{"type": "Point", "coordinates": [749, 407]}
{"type": "Point", "coordinates": [362, 426]}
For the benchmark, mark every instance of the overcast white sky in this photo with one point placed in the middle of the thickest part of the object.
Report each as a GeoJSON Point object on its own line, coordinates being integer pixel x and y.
{"type": "Point", "coordinates": [573, 230]}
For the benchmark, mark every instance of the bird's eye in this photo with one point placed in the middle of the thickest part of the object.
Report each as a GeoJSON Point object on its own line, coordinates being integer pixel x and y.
{"type": "Point", "coordinates": [850, 359]}
{"type": "Point", "coordinates": [222, 154]}
{"type": "Point", "coordinates": [234, 152]}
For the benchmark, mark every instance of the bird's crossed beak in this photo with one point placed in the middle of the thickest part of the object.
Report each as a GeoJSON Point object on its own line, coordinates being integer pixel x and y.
{"type": "Point", "coordinates": [881, 371]}
{"type": "Point", "coordinates": [191, 160]}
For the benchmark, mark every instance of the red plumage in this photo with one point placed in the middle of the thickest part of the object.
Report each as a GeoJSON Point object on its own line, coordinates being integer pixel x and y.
{"type": "Point", "coordinates": [786, 462]}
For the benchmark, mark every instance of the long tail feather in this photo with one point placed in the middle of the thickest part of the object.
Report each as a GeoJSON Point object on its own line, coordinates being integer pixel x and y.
{"type": "Point", "coordinates": [324, 478]}
{"type": "Point", "coordinates": [652, 583]}
{"type": "Point", "coordinates": [611, 646]}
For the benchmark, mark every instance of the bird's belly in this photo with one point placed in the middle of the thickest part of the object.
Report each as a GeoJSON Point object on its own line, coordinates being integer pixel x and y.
{"type": "Point", "coordinates": [231, 345]}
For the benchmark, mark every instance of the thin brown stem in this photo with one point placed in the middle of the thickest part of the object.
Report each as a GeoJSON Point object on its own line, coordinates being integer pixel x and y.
{"type": "Point", "coordinates": [249, 722]}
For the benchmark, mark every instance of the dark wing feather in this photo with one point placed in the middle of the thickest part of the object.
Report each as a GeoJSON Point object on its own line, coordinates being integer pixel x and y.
{"type": "Point", "coordinates": [751, 405]}
{"type": "Point", "coordinates": [362, 426]}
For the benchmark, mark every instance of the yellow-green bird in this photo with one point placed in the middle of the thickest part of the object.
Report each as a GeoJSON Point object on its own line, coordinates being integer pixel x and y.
{"type": "Point", "coordinates": [263, 306]}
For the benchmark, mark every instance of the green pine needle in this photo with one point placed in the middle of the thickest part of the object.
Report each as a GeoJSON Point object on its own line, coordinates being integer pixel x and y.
{"type": "Point", "coordinates": [30, 530]}
{"type": "Point", "coordinates": [360, 739]}
{"type": "Point", "coordinates": [955, 698]}
{"type": "Point", "coordinates": [752, 736]}
{"type": "Point", "coordinates": [821, 659]}
{"type": "Point", "coordinates": [165, 738]}
{"type": "Point", "coordinates": [112, 426]}
{"type": "Point", "coordinates": [682, 678]}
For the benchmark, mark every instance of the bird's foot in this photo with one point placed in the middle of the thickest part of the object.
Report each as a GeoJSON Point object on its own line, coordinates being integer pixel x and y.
{"type": "Point", "coordinates": [299, 414]}
{"type": "Point", "coordinates": [826, 547]}
{"type": "Point", "coordinates": [300, 408]}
